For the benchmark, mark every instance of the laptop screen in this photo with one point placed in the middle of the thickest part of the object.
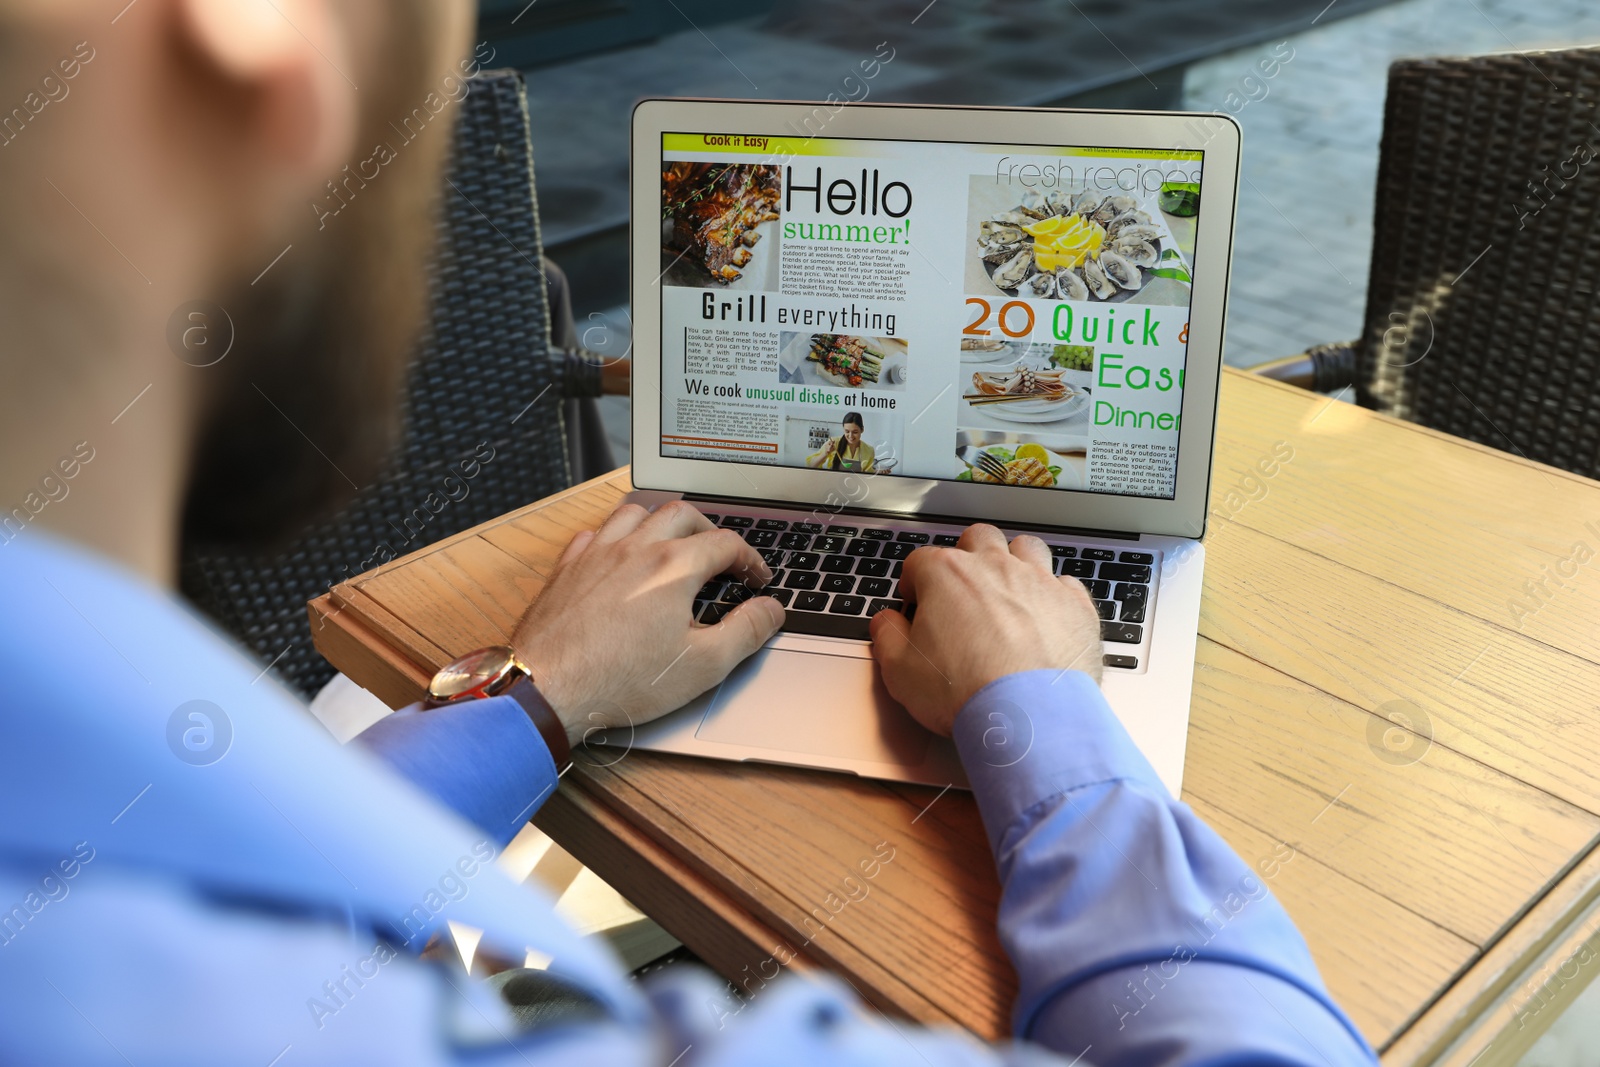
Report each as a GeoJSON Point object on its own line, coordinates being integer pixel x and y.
{"type": "Point", "coordinates": [1010, 315]}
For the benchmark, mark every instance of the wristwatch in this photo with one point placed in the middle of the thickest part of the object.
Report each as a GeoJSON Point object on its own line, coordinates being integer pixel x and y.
{"type": "Point", "coordinates": [497, 671]}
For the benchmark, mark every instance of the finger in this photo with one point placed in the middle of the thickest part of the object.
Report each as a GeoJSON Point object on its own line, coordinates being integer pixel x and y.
{"type": "Point", "coordinates": [621, 523]}
{"type": "Point", "coordinates": [1030, 549]}
{"type": "Point", "coordinates": [1076, 587]}
{"type": "Point", "coordinates": [575, 547]}
{"type": "Point", "coordinates": [914, 565]}
{"type": "Point", "coordinates": [891, 636]}
{"type": "Point", "coordinates": [981, 537]}
{"type": "Point", "coordinates": [893, 651]}
{"type": "Point", "coordinates": [725, 645]}
{"type": "Point", "coordinates": [677, 519]}
{"type": "Point", "coordinates": [717, 552]}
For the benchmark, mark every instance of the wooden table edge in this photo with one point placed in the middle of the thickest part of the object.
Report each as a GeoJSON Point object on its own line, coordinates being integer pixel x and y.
{"type": "Point", "coordinates": [1475, 1015]}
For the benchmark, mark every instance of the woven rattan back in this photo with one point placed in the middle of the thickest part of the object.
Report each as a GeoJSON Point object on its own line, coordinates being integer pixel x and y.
{"type": "Point", "coordinates": [1482, 318]}
{"type": "Point", "coordinates": [482, 430]}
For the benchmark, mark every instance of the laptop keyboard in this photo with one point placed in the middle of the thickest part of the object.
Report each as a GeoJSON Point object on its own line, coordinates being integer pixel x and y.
{"type": "Point", "coordinates": [833, 577]}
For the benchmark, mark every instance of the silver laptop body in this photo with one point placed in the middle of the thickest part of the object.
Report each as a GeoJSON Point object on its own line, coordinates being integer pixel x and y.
{"type": "Point", "coordinates": [838, 308]}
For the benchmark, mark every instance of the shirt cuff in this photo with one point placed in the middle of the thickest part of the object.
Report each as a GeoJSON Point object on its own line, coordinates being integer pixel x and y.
{"type": "Point", "coordinates": [484, 759]}
{"type": "Point", "coordinates": [1038, 734]}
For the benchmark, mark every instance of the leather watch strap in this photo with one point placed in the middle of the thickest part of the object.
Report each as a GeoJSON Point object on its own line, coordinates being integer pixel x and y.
{"type": "Point", "coordinates": [544, 718]}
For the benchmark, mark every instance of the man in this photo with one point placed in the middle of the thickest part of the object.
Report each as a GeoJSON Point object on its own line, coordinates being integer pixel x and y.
{"type": "Point", "coordinates": [191, 871]}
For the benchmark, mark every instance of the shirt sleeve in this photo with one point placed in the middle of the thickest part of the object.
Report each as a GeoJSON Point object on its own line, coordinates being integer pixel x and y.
{"type": "Point", "coordinates": [483, 759]}
{"type": "Point", "coordinates": [1135, 930]}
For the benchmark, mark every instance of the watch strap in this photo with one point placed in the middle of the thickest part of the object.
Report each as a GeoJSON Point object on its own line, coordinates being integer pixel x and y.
{"type": "Point", "coordinates": [544, 718]}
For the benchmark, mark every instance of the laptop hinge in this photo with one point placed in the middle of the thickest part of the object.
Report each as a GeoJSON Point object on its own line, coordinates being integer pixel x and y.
{"type": "Point", "coordinates": [951, 520]}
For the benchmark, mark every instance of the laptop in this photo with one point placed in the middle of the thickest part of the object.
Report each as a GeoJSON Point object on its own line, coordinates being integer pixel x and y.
{"type": "Point", "coordinates": [859, 329]}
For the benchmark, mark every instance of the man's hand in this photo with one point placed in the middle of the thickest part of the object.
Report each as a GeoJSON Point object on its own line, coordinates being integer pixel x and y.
{"type": "Point", "coordinates": [610, 639]}
{"type": "Point", "coordinates": [985, 609]}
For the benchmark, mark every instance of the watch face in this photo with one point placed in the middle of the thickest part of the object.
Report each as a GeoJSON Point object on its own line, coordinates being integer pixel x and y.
{"type": "Point", "coordinates": [473, 674]}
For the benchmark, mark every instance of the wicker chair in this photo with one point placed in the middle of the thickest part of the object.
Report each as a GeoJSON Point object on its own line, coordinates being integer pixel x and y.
{"type": "Point", "coordinates": [486, 355]}
{"type": "Point", "coordinates": [1481, 314]}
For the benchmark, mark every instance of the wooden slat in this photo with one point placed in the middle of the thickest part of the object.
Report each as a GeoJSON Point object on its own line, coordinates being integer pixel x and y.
{"type": "Point", "coordinates": [1459, 523]}
{"type": "Point", "coordinates": [818, 830]}
{"type": "Point", "coordinates": [1522, 706]}
{"type": "Point", "coordinates": [1458, 842]}
{"type": "Point", "coordinates": [1379, 960]}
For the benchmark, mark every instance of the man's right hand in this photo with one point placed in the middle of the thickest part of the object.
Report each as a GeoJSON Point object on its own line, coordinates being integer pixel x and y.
{"type": "Point", "coordinates": [984, 609]}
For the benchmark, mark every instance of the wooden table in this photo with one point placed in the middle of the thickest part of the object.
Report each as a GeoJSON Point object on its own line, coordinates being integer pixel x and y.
{"type": "Point", "coordinates": [1376, 688]}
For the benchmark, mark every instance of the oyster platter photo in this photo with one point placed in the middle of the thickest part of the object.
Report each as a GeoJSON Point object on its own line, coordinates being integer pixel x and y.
{"type": "Point", "coordinates": [1080, 246]}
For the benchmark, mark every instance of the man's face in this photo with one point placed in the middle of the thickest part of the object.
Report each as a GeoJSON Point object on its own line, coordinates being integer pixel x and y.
{"type": "Point", "coordinates": [323, 338]}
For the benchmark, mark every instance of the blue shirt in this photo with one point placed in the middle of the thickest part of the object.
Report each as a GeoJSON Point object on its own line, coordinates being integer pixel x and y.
{"type": "Point", "coordinates": [192, 871]}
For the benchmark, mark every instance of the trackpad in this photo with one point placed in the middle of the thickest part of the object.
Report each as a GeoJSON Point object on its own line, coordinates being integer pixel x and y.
{"type": "Point", "coordinates": [814, 704]}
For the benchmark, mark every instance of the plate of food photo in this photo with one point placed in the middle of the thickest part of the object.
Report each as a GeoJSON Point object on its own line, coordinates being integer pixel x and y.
{"type": "Point", "coordinates": [991, 350]}
{"type": "Point", "coordinates": [1018, 462]}
{"type": "Point", "coordinates": [1090, 246]}
{"type": "Point", "coordinates": [1026, 394]}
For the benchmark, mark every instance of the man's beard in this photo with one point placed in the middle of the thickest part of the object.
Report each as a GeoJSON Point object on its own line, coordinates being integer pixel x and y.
{"type": "Point", "coordinates": [303, 410]}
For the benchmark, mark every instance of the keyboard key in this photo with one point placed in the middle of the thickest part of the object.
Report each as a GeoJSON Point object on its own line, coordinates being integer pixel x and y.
{"type": "Point", "coordinates": [828, 544]}
{"type": "Point", "coordinates": [1137, 557]}
{"type": "Point", "coordinates": [795, 542]}
{"type": "Point", "coordinates": [1079, 568]}
{"type": "Point", "coordinates": [1129, 591]}
{"type": "Point", "coordinates": [1133, 611]}
{"type": "Point", "coordinates": [738, 522]}
{"type": "Point", "coordinates": [771, 524]}
{"type": "Point", "coordinates": [1106, 608]}
{"type": "Point", "coordinates": [874, 587]}
{"type": "Point", "coordinates": [826, 624]}
{"type": "Point", "coordinates": [772, 556]}
{"type": "Point", "coordinates": [862, 547]}
{"type": "Point", "coordinates": [713, 613]}
{"type": "Point", "coordinates": [736, 594]}
{"type": "Point", "coordinates": [775, 581]}
{"type": "Point", "coordinates": [838, 583]}
{"type": "Point", "coordinates": [848, 605]}
{"type": "Point", "coordinates": [873, 568]}
{"type": "Point", "coordinates": [807, 527]}
{"type": "Point", "coordinates": [712, 519]}
{"type": "Point", "coordinates": [697, 608]}
{"type": "Point", "coordinates": [811, 601]}
{"type": "Point", "coordinates": [710, 590]}
{"type": "Point", "coordinates": [802, 580]}
{"type": "Point", "coordinates": [1098, 590]}
{"type": "Point", "coordinates": [946, 540]}
{"type": "Point", "coordinates": [760, 538]}
{"type": "Point", "coordinates": [780, 595]}
{"type": "Point", "coordinates": [1128, 662]}
{"type": "Point", "coordinates": [1125, 572]}
{"type": "Point", "coordinates": [842, 531]}
{"type": "Point", "coordinates": [893, 574]}
{"type": "Point", "coordinates": [803, 561]}
{"type": "Point", "coordinates": [877, 533]}
{"type": "Point", "coordinates": [1099, 553]}
{"type": "Point", "coordinates": [912, 537]}
{"type": "Point", "coordinates": [1063, 552]}
{"type": "Point", "coordinates": [838, 564]}
{"type": "Point", "coordinates": [898, 550]}
{"type": "Point", "coordinates": [879, 605]}
{"type": "Point", "coordinates": [1121, 633]}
